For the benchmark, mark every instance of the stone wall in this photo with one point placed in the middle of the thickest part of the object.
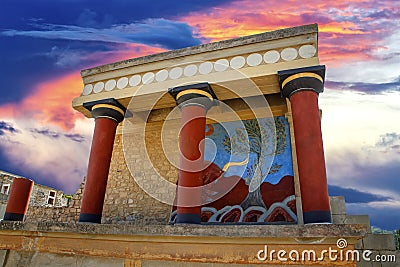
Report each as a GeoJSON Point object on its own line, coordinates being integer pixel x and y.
{"type": "Point", "coordinates": [68, 213]}
{"type": "Point", "coordinates": [125, 201]}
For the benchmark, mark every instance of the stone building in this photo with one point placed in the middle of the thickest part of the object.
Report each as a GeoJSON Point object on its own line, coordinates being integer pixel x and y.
{"type": "Point", "coordinates": [204, 156]}
{"type": "Point", "coordinates": [42, 196]}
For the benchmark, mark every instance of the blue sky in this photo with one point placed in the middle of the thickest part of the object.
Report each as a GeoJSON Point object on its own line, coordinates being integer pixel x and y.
{"type": "Point", "coordinates": [44, 45]}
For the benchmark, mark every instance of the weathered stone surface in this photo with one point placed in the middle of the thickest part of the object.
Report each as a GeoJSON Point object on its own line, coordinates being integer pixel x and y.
{"type": "Point", "coordinates": [37, 259]}
{"type": "Point", "coordinates": [379, 242]}
{"type": "Point", "coordinates": [338, 206]}
{"type": "Point", "coordinates": [300, 231]}
{"type": "Point", "coordinates": [358, 219]}
{"type": "Point", "coordinates": [3, 255]}
{"type": "Point", "coordinates": [200, 264]}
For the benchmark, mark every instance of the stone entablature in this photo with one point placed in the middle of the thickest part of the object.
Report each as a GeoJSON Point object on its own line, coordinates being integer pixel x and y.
{"type": "Point", "coordinates": [223, 64]}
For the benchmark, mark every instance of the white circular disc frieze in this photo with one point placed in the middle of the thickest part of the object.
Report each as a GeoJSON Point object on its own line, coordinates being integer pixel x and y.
{"type": "Point", "coordinates": [162, 75]}
{"type": "Point", "coordinates": [122, 82]}
{"type": "Point", "coordinates": [205, 67]}
{"type": "Point", "coordinates": [237, 62]}
{"type": "Point", "coordinates": [254, 59]}
{"type": "Point", "coordinates": [307, 51]}
{"type": "Point", "coordinates": [87, 89]}
{"type": "Point", "coordinates": [98, 87]}
{"type": "Point", "coordinates": [110, 84]}
{"type": "Point", "coordinates": [148, 78]}
{"type": "Point", "coordinates": [271, 56]}
{"type": "Point", "coordinates": [175, 73]}
{"type": "Point", "coordinates": [190, 70]}
{"type": "Point", "coordinates": [289, 54]}
{"type": "Point", "coordinates": [135, 80]}
{"type": "Point", "coordinates": [221, 64]}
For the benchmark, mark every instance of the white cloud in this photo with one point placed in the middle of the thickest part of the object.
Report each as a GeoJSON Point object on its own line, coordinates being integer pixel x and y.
{"type": "Point", "coordinates": [49, 152]}
{"type": "Point", "coordinates": [353, 126]}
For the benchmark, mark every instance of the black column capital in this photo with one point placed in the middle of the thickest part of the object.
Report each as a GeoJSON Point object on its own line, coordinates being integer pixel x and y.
{"type": "Point", "coordinates": [106, 108]}
{"type": "Point", "coordinates": [194, 94]}
{"type": "Point", "coordinates": [295, 80]}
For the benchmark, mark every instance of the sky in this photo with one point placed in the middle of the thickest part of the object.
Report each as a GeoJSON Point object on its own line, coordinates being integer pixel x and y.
{"type": "Point", "coordinates": [44, 44]}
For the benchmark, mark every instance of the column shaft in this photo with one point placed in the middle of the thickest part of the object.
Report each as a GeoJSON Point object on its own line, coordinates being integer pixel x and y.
{"type": "Point", "coordinates": [18, 200]}
{"type": "Point", "coordinates": [107, 113]}
{"type": "Point", "coordinates": [310, 157]}
{"type": "Point", "coordinates": [98, 168]}
{"type": "Point", "coordinates": [194, 101]}
{"type": "Point", "coordinates": [191, 145]}
{"type": "Point", "coordinates": [302, 87]}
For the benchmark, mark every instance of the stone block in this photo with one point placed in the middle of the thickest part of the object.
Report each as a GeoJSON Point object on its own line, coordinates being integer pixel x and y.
{"type": "Point", "coordinates": [337, 205]}
{"type": "Point", "coordinates": [379, 242]}
{"type": "Point", "coordinates": [358, 219]}
{"type": "Point", "coordinates": [3, 256]}
{"type": "Point", "coordinates": [338, 219]}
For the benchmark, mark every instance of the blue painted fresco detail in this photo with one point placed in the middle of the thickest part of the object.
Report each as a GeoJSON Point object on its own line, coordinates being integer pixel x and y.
{"type": "Point", "coordinates": [271, 151]}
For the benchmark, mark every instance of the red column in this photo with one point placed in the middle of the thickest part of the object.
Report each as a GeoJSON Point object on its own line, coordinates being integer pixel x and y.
{"type": "Point", "coordinates": [194, 101]}
{"type": "Point", "coordinates": [18, 200]}
{"type": "Point", "coordinates": [107, 115]}
{"type": "Point", "coordinates": [302, 87]}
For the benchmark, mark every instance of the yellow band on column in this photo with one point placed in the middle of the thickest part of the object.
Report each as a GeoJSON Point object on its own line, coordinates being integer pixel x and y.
{"type": "Point", "coordinates": [194, 91]}
{"type": "Point", "coordinates": [108, 106]}
{"type": "Point", "coordinates": [302, 75]}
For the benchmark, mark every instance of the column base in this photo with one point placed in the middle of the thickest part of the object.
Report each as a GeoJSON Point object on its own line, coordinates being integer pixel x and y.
{"type": "Point", "coordinates": [89, 218]}
{"type": "Point", "coordinates": [9, 216]}
{"type": "Point", "coordinates": [318, 216]}
{"type": "Point", "coordinates": [188, 218]}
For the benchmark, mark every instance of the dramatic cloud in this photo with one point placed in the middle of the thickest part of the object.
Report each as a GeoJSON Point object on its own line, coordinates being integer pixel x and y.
{"type": "Point", "coordinates": [6, 127]}
{"type": "Point", "coordinates": [47, 155]}
{"type": "Point", "coordinates": [355, 196]}
{"type": "Point", "coordinates": [369, 88]}
{"type": "Point", "coordinates": [348, 29]}
{"type": "Point", "coordinates": [156, 32]}
{"type": "Point", "coordinates": [43, 46]}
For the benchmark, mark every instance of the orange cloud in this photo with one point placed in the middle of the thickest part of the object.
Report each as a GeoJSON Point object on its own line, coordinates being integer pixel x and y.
{"type": "Point", "coordinates": [349, 29]}
{"type": "Point", "coordinates": [50, 100]}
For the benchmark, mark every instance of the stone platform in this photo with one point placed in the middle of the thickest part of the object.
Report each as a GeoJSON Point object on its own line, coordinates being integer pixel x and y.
{"type": "Point", "coordinates": [61, 244]}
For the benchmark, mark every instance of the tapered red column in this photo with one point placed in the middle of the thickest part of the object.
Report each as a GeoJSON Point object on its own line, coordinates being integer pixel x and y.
{"type": "Point", "coordinates": [107, 113]}
{"type": "Point", "coordinates": [302, 87]}
{"type": "Point", "coordinates": [194, 101]}
{"type": "Point", "coordinates": [18, 200]}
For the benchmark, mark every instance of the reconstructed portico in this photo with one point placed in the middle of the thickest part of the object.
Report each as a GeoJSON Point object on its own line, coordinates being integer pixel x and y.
{"type": "Point", "coordinates": [274, 66]}
{"type": "Point", "coordinates": [207, 155]}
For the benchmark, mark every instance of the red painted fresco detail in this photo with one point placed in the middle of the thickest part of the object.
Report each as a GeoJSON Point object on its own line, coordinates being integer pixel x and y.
{"type": "Point", "coordinates": [232, 216]}
{"type": "Point", "coordinates": [292, 206]}
{"type": "Point", "coordinates": [310, 151]}
{"type": "Point", "coordinates": [252, 216]}
{"type": "Point", "coordinates": [271, 194]}
{"type": "Point", "coordinates": [206, 215]}
{"type": "Point", "coordinates": [279, 215]}
{"type": "Point", "coordinates": [277, 193]}
{"type": "Point", "coordinates": [235, 196]}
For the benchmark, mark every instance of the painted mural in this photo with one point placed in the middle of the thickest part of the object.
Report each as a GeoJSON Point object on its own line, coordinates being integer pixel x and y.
{"type": "Point", "coordinates": [257, 163]}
